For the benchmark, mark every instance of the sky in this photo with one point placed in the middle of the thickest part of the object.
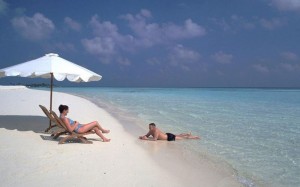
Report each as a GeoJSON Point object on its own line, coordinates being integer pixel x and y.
{"type": "Point", "coordinates": [165, 43]}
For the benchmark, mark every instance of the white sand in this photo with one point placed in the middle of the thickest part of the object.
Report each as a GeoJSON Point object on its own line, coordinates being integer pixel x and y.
{"type": "Point", "coordinates": [28, 157]}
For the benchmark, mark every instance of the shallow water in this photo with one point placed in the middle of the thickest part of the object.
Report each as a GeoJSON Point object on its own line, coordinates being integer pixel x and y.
{"type": "Point", "coordinates": [256, 131]}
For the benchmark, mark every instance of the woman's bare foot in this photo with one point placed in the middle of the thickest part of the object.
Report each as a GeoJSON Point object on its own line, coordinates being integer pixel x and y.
{"type": "Point", "coordinates": [106, 140]}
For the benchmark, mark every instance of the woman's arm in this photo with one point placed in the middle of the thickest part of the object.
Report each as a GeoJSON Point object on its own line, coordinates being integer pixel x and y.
{"type": "Point", "coordinates": [69, 126]}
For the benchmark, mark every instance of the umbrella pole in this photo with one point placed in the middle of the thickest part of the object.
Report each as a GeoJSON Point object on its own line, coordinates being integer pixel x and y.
{"type": "Point", "coordinates": [51, 90]}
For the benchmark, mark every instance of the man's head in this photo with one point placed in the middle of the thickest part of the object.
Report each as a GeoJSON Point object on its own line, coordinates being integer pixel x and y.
{"type": "Point", "coordinates": [152, 126]}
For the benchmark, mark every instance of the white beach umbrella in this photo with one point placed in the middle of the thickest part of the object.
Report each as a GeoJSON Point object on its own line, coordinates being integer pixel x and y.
{"type": "Point", "coordinates": [51, 66]}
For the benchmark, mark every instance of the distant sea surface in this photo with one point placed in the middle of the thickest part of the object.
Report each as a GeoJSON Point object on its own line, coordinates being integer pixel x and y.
{"type": "Point", "coordinates": [255, 131]}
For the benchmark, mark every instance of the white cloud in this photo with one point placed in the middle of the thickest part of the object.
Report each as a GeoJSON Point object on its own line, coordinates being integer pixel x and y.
{"type": "Point", "coordinates": [124, 61]}
{"type": "Point", "coordinates": [109, 42]}
{"type": "Point", "coordinates": [222, 58]}
{"type": "Point", "coordinates": [146, 13]}
{"type": "Point", "coordinates": [181, 56]}
{"type": "Point", "coordinates": [65, 46]}
{"type": "Point", "coordinates": [234, 23]}
{"type": "Point", "coordinates": [105, 28]}
{"type": "Point", "coordinates": [290, 67]}
{"type": "Point", "coordinates": [109, 32]}
{"type": "Point", "coordinates": [261, 68]}
{"type": "Point", "coordinates": [74, 25]}
{"type": "Point", "coordinates": [3, 7]}
{"type": "Point", "coordinates": [149, 34]}
{"type": "Point", "coordinates": [59, 46]}
{"type": "Point", "coordinates": [241, 22]}
{"type": "Point", "coordinates": [272, 23]}
{"type": "Point", "coordinates": [287, 5]}
{"type": "Point", "coordinates": [99, 46]}
{"type": "Point", "coordinates": [225, 26]}
{"type": "Point", "coordinates": [190, 29]}
{"type": "Point", "coordinates": [289, 56]}
{"type": "Point", "coordinates": [153, 61]}
{"type": "Point", "coordinates": [33, 28]}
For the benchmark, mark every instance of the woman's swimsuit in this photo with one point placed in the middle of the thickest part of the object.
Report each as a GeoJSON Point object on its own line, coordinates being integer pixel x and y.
{"type": "Point", "coordinates": [72, 123]}
{"type": "Point", "coordinates": [171, 137]}
{"type": "Point", "coordinates": [78, 126]}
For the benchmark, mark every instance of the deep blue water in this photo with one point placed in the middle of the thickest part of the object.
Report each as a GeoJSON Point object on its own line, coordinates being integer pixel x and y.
{"type": "Point", "coordinates": [257, 131]}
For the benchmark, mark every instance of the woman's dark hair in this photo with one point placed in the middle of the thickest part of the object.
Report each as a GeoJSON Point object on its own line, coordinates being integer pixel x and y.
{"type": "Point", "coordinates": [61, 108]}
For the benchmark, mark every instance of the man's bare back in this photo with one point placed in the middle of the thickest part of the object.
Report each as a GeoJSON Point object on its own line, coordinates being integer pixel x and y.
{"type": "Point", "coordinates": [157, 134]}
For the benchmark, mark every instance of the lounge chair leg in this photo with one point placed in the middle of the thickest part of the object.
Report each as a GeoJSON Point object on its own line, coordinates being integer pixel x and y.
{"type": "Point", "coordinates": [62, 141]}
{"type": "Point", "coordinates": [58, 134]}
{"type": "Point", "coordinates": [84, 140]}
{"type": "Point", "coordinates": [50, 127]}
{"type": "Point", "coordinates": [47, 129]}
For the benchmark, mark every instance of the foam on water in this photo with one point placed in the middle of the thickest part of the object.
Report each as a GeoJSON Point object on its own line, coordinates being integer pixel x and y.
{"type": "Point", "coordinates": [256, 131]}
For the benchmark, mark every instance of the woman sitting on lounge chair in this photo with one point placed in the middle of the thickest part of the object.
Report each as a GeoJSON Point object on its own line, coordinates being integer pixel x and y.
{"type": "Point", "coordinates": [81, 128]}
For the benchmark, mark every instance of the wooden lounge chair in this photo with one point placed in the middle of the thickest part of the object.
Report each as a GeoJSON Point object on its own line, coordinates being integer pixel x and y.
{"type": "Point", "coordinates": [71, 135]}
{"type": "Point", "coordinates": [61, 129]}
{"type": "Point", "coordinates": [52, 120]}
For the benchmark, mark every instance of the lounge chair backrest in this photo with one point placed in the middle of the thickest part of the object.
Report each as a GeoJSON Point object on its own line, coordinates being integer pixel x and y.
{"type": "Point", "coordinates": [59, 121]}
{"type": "Point", "coordinates": [47, 113]}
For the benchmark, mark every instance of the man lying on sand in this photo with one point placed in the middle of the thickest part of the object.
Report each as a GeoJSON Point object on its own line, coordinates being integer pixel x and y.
{"type": "Point", "coordinates": [81, 128]}
{"type": "Point", "coordinates": [159, 135]}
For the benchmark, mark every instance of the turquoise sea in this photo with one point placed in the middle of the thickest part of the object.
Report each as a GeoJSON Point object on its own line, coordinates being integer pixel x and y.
{"type": "Point", "coordinates": [255, 131]}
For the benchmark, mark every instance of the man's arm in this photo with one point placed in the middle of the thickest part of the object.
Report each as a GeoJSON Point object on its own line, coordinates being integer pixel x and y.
{"type": "Point", "coordinates": [145, 137]}
{"type": "Point", "coordinates": [155, 136]}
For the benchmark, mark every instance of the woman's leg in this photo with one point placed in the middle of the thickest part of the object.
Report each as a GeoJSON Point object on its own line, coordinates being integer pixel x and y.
{"type": "Point", "coordinates": [100, 127]}
{"type": "Point", "coordinates": [96, 127]}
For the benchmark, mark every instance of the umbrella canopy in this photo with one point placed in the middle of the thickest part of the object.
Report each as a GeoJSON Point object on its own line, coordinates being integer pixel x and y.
{"type": "Point", "coordinates": [51, 66]}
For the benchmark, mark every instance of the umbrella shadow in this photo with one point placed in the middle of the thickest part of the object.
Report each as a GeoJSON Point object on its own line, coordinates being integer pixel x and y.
{"type": "Point", "coordinates": [37, 124]}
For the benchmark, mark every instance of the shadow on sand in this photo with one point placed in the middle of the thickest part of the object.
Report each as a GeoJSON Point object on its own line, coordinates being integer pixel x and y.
{"type": "Point", "coordinates": [75, 140]}
{"type": "Point", "coordinates": [37, 124]}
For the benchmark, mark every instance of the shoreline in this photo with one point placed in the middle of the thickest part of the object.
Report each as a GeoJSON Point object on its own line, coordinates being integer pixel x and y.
{"type": "Point", "coordinates": [185, 156]}
{"type": "Point", "coordinates": [189, 156]}
{"type": "Point", "coordinates": [147, 162]}
{"type": "Point", "coordinates": [190, 159]}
